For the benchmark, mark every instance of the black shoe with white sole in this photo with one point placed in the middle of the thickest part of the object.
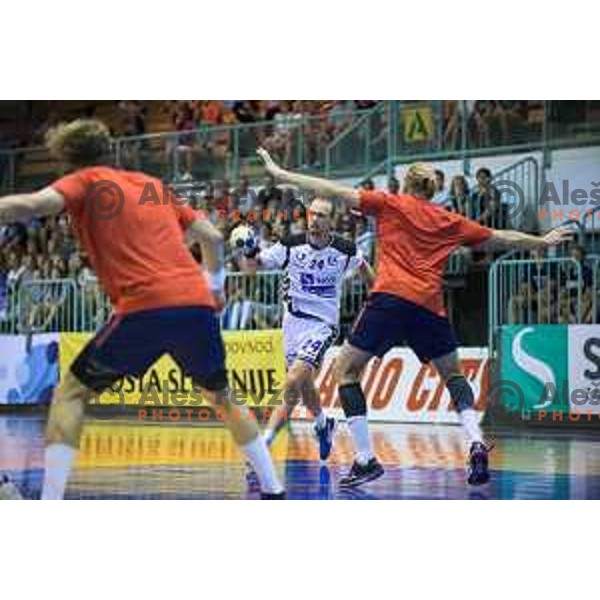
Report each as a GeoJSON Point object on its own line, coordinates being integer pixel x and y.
{"type": "Point", "coordinates": [360, 474]}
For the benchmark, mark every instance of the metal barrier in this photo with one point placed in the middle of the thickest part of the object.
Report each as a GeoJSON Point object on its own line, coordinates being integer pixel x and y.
{"type": "Point", "coordinates": [253, 302]}
{"type": "Point", "coordinates": [94, 307]}
{"type": "Point", "coordinates": [206, 153]}
{"type": "Point", "coordinates": [47, 305]}
{"type": "Point", "coordinates": [590, 235]}
{"type": "Point", "coordinates": [10, 315]}
{"type": "Point", "coordinates": [366, 142]}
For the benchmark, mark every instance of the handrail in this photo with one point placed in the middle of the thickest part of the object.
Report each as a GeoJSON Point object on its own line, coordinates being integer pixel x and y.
{"type": "Point", "coordinates": [200, 129]}
{"type": "Point", "coordinates": [348, 131]}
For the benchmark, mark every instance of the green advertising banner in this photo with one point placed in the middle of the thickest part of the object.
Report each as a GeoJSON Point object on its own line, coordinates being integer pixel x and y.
{"type": "Point", "coordinates": [534, 368]}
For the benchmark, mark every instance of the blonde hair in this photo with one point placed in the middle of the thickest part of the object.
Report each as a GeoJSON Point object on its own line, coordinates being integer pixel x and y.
{"type": "Point", "coordinates": [80, 143]}
{"type": "Point", "coordinates": [419, 180]}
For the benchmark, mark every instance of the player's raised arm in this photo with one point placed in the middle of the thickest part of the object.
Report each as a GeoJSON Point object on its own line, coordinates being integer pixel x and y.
{"type": "Point", "coordinates": [321, 187]}
{"type": "Point", "coordinates": [23, 207]}
{"type": "Point", "coordinates": [506, 239]}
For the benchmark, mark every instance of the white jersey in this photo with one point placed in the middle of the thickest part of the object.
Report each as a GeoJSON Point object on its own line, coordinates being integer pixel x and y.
{"type": "Point", "coordinates": [312, 285]}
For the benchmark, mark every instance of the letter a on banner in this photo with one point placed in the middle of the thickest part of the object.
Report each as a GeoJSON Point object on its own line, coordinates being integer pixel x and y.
{"type": "Point", "coordinates": [418, 124]}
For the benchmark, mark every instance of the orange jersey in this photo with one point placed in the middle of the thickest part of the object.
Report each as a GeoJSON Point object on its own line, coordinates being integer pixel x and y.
{"type": "Point", "coordinates": [415, 239]}
{"type": "Point", "coordinates": [134, 239]}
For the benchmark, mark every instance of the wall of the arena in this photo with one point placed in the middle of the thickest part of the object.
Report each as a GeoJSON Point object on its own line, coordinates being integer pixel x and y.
{"type": "Point", "coordinates": [398, 387]}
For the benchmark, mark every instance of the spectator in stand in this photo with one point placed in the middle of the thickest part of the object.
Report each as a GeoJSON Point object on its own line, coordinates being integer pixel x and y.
{"type": "Point", "coordinates": [345, 223]}
{"type": "Point", "coordinates": [208, 196]}
{"type": "Point", "coordinates": [244, 112]}
{"type": "Point", "coordinates": [238, 312]}
{"type": "Point", "coordinates": [487, 202]}
{"type": "Point", "coordinates": [222, 197]}
{"type": "Point", "coordinates": [221, 139]}
{"type": "Point", "coordinates": [210, 112]}
{"type": "Point", "coordinates": [13, 237]}
{"type": "Point", "coordinates": [134, 114]}
{"type": "Point", "coordinates": [25, 272]}
{"type": "Point", "coordinates": [577, 278]}
{"type": "Point", "coordinates": [441, 195]}
{"type": "Point", "coordinates": [297, 226]}
{"type": "Point", "coordinates": [265, 236]}
{"type": "Point", "coordinates": [246, 197]}
{"type": "Point", "coordinates": [279, 231]}
{"type": "Point", "coordinates": [537, 299]}
{"type": "Point", "coordinates": [270, 192]}
{"type": "Point", "coordinates": [183, 145]}
{"type": "Point", "coordinates": [459, 197]}
{"type": "Point", "coordinates": [393, 185]}
{"type": "Point", "coordinates": [451, 125]}
{"type": "Point", "coordinates": [478, 120]}
{"type": "Point", "coordinates": [74, 266]}
{"type": "Point", "coordinates": [340, 116]}
{"type": "Point", "coordinates": [46, 269]}
{"type": "Point", "coordinates": [279, 142]}
{"type": "Point", "coordinates": [365, 104]}
{"type": "Point", "coordinates": [14, 270]}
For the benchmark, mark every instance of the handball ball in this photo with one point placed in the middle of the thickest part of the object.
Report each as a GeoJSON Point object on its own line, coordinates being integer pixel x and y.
{"type": "Point", "coordinates": [242, 238]}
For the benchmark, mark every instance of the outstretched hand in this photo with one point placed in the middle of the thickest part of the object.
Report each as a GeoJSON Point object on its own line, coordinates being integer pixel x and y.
{"type": "Point", "coordinates": [559, 236]}
{"type": "Point", "coordinates": [272, 167]}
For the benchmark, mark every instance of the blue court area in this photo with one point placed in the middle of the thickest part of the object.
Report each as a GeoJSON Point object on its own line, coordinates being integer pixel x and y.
{"type": "Point", "coordinates": [123, 459]}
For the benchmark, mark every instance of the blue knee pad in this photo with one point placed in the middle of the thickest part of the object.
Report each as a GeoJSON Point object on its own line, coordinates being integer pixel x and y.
{"type": "Point", "coordinates": [460, 392]}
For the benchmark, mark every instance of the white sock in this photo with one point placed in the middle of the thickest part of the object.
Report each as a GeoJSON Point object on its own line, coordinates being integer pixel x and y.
{"type": "Point", "coordinates": [469, 419]}
{"type": "Point", "coordinates": [58, 463]}
{"type": "Point", "coordinates": [320, 420]}
{"type": "Point", "coordinates": [359, 428]}
{"type": "Point", "coordinates": [258, 456]}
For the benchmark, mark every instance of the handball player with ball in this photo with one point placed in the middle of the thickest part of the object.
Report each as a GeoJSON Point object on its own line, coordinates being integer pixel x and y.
{"type": "Point", "coordinates": [315, 265]}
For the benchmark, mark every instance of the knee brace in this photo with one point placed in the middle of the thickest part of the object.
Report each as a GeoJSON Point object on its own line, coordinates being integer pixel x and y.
{"type": "Point", "coordinates": [460, 392]}
{"type": "Point", "coordinates": [353, 400]}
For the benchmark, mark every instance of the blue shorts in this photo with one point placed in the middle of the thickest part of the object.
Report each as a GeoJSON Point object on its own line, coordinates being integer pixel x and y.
{"type": "Point", "coordinates": [130, 344]}
{"type": "Point", "coordinates": [387, 321]}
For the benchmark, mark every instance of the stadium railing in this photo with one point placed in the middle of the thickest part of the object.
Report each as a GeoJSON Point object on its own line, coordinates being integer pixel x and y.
{"type": "Point", "coordinates": [213, 152]}
{"type": "Point", "coordinates": [373, 141]}
{"type": "Point", "coordinates": [254, 301]}
{"type": "Point", "coordinates": [361, 145]}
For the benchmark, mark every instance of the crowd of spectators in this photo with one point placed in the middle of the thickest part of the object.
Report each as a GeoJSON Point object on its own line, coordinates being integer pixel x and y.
{"type": "Point", "coordinates": [490, 122]}
{"type": "Point", "coordinates": [46, 249]}
{"type": "Point", "coordinates": [555, 292]}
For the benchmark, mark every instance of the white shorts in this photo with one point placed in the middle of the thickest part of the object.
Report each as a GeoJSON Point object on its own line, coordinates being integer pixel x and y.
{"type": "Point", "coordinates": [306, 339]}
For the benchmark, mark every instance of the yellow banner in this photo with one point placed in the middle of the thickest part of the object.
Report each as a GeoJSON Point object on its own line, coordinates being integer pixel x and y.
{"type": "Point", "coordinates": [417, 124]}
{"type": "Point", "coordinates": [255, 368]}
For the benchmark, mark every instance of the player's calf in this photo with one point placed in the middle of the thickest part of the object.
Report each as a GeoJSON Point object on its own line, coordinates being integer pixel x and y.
{"type": "Point", "coordinates": [349, 366]}
{"type": "Point", "coordinates": [63, 433]}
{"type": "Point", "coordinates": [463, 399]}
